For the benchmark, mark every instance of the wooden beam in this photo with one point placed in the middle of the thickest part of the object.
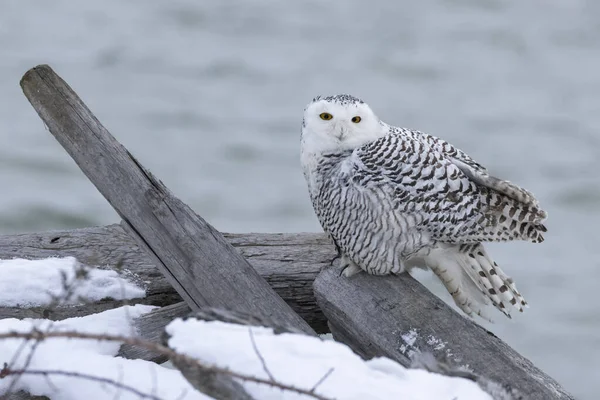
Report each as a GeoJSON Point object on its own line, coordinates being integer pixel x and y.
{"type": "Point", "coordinates": [151, 327]}
{"type": "Point", "coordinates": [194, 257]}
{"type": "Point", "coordinates": [397, 316]}
{"type": "Point", "coordinates": [289, 262]}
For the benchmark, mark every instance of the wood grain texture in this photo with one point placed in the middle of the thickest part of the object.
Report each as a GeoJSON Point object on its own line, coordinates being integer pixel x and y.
{"type": "Point", "coordinates": [395, 316]}
{"type": "Point", "coordinates": [151, 327]}
{"type": "Point", "coordinates": [289, 262]}
{"type": "Point", "coordinates": [194, 257]}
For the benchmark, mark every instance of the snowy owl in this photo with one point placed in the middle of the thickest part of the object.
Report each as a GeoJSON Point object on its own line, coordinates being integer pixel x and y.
{"type": "Point", "coordinates": [393, 198]}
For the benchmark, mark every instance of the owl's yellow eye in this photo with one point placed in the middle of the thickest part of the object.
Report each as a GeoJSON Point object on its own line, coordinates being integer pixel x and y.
{"type": "Point", "coordinates": [356, 119]}
{"type": "Point", "coordinates": [326, 116]}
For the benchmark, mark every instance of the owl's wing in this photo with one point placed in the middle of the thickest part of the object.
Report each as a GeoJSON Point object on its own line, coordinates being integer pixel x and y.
{"type": "Point", "coordinates": [419, 181]}
{"type": "Point", "coordinates": [477, 172]}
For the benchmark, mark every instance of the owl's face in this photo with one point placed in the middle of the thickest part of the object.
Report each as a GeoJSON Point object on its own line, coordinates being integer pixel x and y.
{"type": "Point", "coordinates": [339, 122]}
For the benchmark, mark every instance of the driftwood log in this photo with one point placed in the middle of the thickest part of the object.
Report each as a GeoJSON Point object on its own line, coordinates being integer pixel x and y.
{"type": "Point", "coordinates": [289, 262]}
{"type": "Point", "coordinates": [397, 316]}
{"type": "Point", "coordinates": [194, 257]}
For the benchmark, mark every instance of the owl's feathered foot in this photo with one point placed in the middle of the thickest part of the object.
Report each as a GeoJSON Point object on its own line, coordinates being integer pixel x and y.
{"type": "Point", "coordinates": [349, 267]}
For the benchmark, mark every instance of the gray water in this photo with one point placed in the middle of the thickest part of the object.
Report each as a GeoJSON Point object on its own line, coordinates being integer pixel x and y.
{"type": "Point", "coordinates": [209, 96]}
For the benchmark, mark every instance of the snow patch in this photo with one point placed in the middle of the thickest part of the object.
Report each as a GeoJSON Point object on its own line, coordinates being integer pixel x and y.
{"type": "Point", "coordinates": [435, 343]}
{"type": "Point", "coordinates": [409, 338]}
{"type": "Point", "coordinates": [293, 359]}
{"type": "Point", "coordinates": [33, 283]}
{"type": "Point", "coordinates": [302, 361]}
{"type": "Point", "coordinates": [91, 357]}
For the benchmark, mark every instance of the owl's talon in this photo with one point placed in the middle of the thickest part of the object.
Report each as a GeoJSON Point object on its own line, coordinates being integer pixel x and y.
{"type": "Point", "coordinates": [335, 258]}
{"type": "Point", "coordinates": [349, 267]}
{"type": "Point", "coordinates": [339, 253]}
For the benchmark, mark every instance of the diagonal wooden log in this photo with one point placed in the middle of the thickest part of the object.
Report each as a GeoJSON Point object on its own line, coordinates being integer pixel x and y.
{"type": "Point", "coordinates": [397, 316]}
{"type": "Point", "coordinates": [195, 258]}
{"type": "Point", "coordinates": [289, 262]}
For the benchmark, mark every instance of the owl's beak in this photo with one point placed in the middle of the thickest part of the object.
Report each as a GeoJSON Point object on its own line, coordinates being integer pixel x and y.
{"type": "Point", "coordinates": [342, 133]}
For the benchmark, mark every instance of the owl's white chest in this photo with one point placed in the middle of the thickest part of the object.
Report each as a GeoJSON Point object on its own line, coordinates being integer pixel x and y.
{"type": "Point", "coordinates": [310, 165]}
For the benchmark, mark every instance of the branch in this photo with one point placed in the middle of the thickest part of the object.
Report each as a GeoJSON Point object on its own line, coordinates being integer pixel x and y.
{"type": "Point", "coordinates": [19, 372]}
{"type": "Point", "coordinates": [260, 357]}
{"type": "Point", "coordinates": [80, 273]}
{"type": "Point", "coordinates": [171, 354]}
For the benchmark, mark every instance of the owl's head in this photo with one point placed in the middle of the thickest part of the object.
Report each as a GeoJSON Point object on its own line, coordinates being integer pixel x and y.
{"type": "Point", "coordinates": [340, 122]}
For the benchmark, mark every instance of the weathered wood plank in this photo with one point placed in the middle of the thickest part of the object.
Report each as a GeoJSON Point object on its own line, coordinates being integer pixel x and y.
{"type": "Point", "coordinates": [289, 262]}
{"type": "Point", "coordinates": [197, 261]}
{"type": "Point", "coordinates": [151, 327]}
{"type": "Point", "coordinates": [394, 316]}
{"type": "Point", "coordinates": [64, 312]}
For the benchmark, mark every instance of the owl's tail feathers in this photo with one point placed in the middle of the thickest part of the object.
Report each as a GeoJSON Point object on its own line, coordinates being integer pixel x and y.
{"type": "Point", "coordinates": [474, 279]}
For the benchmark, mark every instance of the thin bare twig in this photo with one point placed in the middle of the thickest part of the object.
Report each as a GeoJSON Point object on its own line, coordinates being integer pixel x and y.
{"type": "Point", "coordinates": [68, 291]}
{"type": "Point", "coordinates": [46, 373]}
{"type": "Point", "coordinates": [80, 272]}
{"type": "Point", "coordinates": [121, 374]}
{"type": "Point", "coordinates": [173, 355]}
{"type": "Point", "coordinates": [13, 383]}
{"type": "Point", "coordinates": [320, 381]}
{"type": "Point", "coordinates": [125, 302]}
{"type": "Point", "coordinates": [154, 379]}
{"type": "Point", "coordinates": [259, 355]}
{"type": "Point", "coordinates": [182, 395]}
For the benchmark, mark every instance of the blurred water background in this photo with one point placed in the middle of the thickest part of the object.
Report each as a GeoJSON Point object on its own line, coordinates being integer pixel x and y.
{"type": "Point", "coordinates": [209, 96]}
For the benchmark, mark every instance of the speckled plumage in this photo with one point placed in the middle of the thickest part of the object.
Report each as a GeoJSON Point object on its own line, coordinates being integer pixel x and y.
{"type": "Point", "coordinates": [393, 198]}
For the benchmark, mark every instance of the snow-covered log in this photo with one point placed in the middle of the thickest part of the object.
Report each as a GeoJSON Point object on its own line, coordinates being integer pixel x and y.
{"type": "Point", "coordinates": [289, 262]}
{"type": "Point", "coordinates": [194, 257]}
{"type": "Point", "coordinates": [236, 357]}
{"type": "Point", "coordinates": [151, 327]}
{"type": "Point", "coordinates": [321, 369]}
